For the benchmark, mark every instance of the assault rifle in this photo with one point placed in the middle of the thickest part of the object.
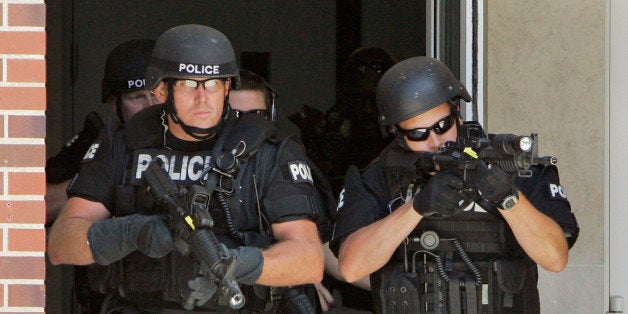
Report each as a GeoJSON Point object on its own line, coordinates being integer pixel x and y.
{"type": "Point", "coordinates": [192, 223]}
{"type": "Point", "coordinates": [512, 153]}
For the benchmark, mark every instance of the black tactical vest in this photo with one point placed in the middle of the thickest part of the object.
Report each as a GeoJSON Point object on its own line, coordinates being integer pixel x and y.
{"type": "Point", "coordinates": [151, 283]}
{"type": "Point", "coordinates": [462, 264]}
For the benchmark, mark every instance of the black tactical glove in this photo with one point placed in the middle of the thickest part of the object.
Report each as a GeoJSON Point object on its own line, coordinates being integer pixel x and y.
{"type": "Point", "coordinates": [441, 196]}
{"type": "Point", "coordinates": [492, 182]}
{"type": "Point", "coordinates": [249, 264]}
{"type": "Point", "coordinates": [202, 290]}
{"type": "Point", "coordinates": [112, 239]}
{"type": "Point", "coordinates": [67, 162]}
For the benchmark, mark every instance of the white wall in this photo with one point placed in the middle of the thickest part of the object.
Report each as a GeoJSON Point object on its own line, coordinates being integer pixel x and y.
{"type": "Point", "coordinates": [617, 149]}
{"type": "Point", "coordinates": [545, 74]}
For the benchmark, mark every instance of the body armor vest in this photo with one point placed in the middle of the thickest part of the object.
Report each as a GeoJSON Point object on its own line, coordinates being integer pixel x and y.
{"type": "Point", "coordinates": [147, 282]}
{"type": "Point", "coordinates": [461, 264]}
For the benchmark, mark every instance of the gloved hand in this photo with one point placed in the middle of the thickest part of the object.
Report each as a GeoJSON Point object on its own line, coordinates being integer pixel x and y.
{"type": "Point", "coordinates": [112, 239]}
{"type": "Point", "coordinates": [492, 182]}
{"type": "Point", "coordinates": [441, 196]}
{"type": "Point", "coordinates": [202, 290]}
{"type": "Point", "coordinates": [249, 264]}
{"type": "Point", "coordinates": [67, 162]}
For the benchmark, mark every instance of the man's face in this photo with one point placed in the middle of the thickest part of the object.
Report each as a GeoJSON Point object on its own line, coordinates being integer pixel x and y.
{"type": "Point", "coordinates": [246, 100]}
{"type": "Point", "coordinates": [199, 107]}
{"type": "Point", "coordinates": [133, 102]}
{"type": "Point", "coordinates": [427, 120]}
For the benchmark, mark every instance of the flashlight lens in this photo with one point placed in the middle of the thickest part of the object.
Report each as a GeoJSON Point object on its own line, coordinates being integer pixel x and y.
{"type": "Point", "coordinates": [525, 143]}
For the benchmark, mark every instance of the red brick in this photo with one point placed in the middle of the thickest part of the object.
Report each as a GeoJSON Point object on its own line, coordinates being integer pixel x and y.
{"type": "Point", "coordinates": [27, 183]}
{"type": "Point", "coordinates": [26, 70]}
{"type": "Point", "coordinates": [22, 155]}
{"type": "Point", "coordinates": [1, 126]}
{"type": "Point", "coordinates": [27, 126]}
{"type": "Point", "coordinates": [27, 15]}
{"type": "Point", "coordinates": [24, 98]}
{"type": "Point", "coordinates": [27, 295]}
{"type": "Point", "coordinates": [1, 295]}
{"type": "Point", "coordinates": [20, 267]}
{"type": "Point", "coordinates": [23, 43]}
{"type": "Point", "coordinates": [27, 240]}
{"type": "Point", "coordinates": [22, 211]}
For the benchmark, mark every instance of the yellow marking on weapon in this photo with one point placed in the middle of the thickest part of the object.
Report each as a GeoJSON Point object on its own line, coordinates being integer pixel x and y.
{"type": "Point", "coordinates": [190, 222]}
{"type": "Point", "coordinates": [469, 151]}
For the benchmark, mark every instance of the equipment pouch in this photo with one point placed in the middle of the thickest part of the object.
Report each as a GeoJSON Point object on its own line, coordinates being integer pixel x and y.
{"type": "Point", "coordinates": [511, 275]}
{"type": "Point", "coordinates": [397, 293]}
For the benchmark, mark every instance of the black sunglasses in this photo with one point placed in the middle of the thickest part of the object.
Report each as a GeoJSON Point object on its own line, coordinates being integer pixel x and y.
{"type": "Point", "coordinates": [421, 134]}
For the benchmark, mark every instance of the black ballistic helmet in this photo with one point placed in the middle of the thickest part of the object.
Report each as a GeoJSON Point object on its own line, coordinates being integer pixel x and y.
{"type": "Point", "coordinates": [363, 69]}
{"type": "Point", "coordinates": [192, 51]}
{"type": "Point", "coordinates": [189, 51]}
{"type": "Point", "coordinates": [414, 86]}
{"type": "Point", "coordinates": [125, 67]}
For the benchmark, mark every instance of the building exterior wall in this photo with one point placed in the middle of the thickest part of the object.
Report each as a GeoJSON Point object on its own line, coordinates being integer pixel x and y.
{"type": "Point", "coordinates": [22, 155]}
{"type": "Point", "coordinates": [545, 74]}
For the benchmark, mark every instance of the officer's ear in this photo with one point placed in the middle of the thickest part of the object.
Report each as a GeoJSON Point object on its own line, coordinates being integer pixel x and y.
{"type": "Point", "coordinates": [227, 86]}
{"type": "Point", "coordinates": [161, 92]}
{"type": "Point", "coordinates": [112, 100]}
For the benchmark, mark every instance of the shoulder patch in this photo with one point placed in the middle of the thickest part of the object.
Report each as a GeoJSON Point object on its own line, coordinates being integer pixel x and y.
{"type": "Point", "coordinates": [299, 171]}
{"type": "Point", "coordinates": [556, 192]}
{"type": "Point", "coordinates": [91, 152]}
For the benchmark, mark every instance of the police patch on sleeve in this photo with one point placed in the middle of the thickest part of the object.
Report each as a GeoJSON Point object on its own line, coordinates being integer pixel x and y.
{"type": "Point", "coordinates": [299, 171]}
{"type": "Point", "coordinates": [557, 192]}
{"type": "Point", "coordinates": [91, 152]}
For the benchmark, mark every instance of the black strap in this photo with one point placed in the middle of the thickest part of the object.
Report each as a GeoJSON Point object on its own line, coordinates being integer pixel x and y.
{"type": "Point", "coordinates": [212, 176]}
{"type": "Point", "coordinates": [454, 296]}
{"type": "Point", "coordinates": [471, 295]}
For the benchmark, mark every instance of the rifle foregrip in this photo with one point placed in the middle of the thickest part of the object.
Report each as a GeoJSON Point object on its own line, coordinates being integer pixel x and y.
{"type": "Point", "coordinates": [207, 248]}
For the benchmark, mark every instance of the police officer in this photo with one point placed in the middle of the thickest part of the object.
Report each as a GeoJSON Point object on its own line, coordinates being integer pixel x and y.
{"type": "Point", "coordinates": [334, 140]}
{"type": "Point", "coordinates": [122, 88]}
{"type": "Point", "coordinates": [254, 96]}
{"type": "Point", "coordinates": [266, 220]}
{"type": "Point", "coordinates": [427, 244]}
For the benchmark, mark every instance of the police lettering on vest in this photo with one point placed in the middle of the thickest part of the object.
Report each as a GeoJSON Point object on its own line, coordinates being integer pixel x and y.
{"type": "Point", "coordinates": [204, 69]}
{"type": "Point", "coordinates": [139, 83]}
{"type": "Point", "coordinates": [183, 168]}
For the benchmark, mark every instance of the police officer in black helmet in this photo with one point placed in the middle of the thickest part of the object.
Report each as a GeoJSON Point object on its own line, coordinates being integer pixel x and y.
{"type": "Point", "coordinates": [427, 244]}
{"type": "Point", "coordinates": [123, 88]}
{"type": "Point", "coordinates": [267, 221]}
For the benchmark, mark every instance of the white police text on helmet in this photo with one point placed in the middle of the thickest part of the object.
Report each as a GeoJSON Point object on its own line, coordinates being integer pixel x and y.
{"type": "Point", "coordinates": [200, 69]}
{"type": "Point", "coordinates": [300, 172]}
{"type": "Point", "coordinates": [138, 83]}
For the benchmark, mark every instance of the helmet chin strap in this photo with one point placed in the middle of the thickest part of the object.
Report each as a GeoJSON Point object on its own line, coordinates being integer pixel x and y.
{"type": "Point", "coordinates": [197, 133]}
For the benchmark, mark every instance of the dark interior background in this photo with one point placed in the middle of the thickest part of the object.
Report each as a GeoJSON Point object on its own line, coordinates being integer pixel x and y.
{"type": "Point", "coordinates": [306, 41]}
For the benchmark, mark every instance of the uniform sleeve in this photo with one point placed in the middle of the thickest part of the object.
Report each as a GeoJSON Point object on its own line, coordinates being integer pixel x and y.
{"type": "Point", "coordinates": [357, 207]}
{"type": "Point", "coordinates": [546, 193]}
{"type": "Point", "coordinates": [95, 180]}
{"type": "Point", "coordinates": [289, 188]}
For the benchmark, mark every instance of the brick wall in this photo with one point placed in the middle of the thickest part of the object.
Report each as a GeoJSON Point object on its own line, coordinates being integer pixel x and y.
{"type": "Point", "coordinates": [22, 155]}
